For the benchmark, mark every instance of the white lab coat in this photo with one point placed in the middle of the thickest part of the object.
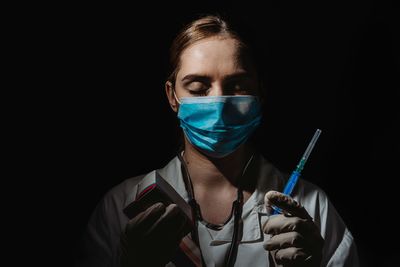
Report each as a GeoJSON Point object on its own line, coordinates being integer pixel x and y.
{"type": "Point", "coordinates": [107, 222]}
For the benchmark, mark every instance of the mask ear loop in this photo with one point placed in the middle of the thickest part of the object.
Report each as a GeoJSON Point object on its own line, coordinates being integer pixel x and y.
{"type": "Point", "coordinates": [176, 98]}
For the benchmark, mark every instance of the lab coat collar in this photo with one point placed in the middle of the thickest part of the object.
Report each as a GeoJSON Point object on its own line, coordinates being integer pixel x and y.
{"type": "Point", "coordinates": [254, 213]}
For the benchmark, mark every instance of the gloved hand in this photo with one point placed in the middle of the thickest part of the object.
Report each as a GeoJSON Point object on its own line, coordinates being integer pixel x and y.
{"type": "Point", "coordinates": [295, 240]}
{"type": "Point", "coordinates": [152, 237]}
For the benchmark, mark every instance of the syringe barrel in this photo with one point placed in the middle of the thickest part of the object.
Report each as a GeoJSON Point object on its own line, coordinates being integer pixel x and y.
{"type": "Point", "coordinates": [291, 183]}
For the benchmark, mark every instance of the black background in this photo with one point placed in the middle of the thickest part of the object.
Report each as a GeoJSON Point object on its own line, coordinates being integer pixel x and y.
{"type": "Point", "coordinates": [97, 112]}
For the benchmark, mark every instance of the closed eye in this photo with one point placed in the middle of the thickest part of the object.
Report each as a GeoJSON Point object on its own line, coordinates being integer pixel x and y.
{"type": "Point", "coordinates": [241, 86]}
{"type": "Point", "coordinates": [196, 85]}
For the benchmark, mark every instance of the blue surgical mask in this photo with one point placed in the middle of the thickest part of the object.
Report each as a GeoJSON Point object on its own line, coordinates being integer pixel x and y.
{"type": "Point", "coordinates": [218, 125]}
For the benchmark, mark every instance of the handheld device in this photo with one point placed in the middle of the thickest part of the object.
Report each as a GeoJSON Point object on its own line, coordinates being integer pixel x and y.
{"type": "Point", "coordinates": [152, 189]}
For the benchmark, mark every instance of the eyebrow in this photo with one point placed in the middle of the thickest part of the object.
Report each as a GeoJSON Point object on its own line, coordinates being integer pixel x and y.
{"type": "Point", "coordinates": [199, 77]}
{"type": "Point", "coordinates": [195, 77]}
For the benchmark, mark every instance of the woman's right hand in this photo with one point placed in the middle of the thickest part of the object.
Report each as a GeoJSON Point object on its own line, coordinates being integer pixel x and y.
{"type": "Point", "coordinates": [152, 237]}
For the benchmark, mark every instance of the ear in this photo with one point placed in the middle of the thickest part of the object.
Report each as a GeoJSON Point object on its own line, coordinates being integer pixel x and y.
{"type": "Point", "coordinates": [169, 90]}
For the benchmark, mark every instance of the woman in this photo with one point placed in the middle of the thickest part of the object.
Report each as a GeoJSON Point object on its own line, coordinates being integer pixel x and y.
{"type": "Point", "coordinates": [214, 88]}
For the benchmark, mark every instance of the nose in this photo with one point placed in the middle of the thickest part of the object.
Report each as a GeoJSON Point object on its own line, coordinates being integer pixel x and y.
{"type": "Point", "coordinates": [216, 89]}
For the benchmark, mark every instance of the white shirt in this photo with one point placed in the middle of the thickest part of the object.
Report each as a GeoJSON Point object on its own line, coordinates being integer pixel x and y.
{"type": "Point", "coordinates": [108, 221]}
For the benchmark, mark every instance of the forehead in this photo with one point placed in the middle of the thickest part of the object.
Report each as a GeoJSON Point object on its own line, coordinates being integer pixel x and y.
{"type": "Point", "coordinates": [216, 53]}
{"type": "Point", "coordinates": [212, 46]}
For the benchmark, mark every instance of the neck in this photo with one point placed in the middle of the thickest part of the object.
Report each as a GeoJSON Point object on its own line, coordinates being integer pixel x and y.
{"type": "Point", "coordinates": [210, 172]}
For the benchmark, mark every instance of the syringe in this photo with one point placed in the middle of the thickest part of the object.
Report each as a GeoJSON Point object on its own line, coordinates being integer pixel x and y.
{"type": "Point", "coordinates": [296, 173]}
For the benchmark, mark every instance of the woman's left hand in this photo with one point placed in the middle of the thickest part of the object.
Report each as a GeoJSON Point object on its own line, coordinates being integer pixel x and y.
{"type": "Point", "coordinates": [295, 239]}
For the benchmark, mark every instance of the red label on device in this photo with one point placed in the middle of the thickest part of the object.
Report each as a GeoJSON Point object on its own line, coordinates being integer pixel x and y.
{"type": "Point", "coordinates": [147, 189]}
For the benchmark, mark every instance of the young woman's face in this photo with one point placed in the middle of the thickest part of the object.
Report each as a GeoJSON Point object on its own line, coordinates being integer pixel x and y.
{"type": "Point", "coordinates": [212, 67]}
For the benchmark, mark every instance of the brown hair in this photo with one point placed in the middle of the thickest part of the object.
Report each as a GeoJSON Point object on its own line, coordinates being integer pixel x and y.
{"type": "Point", "coordinates": [202, 28]}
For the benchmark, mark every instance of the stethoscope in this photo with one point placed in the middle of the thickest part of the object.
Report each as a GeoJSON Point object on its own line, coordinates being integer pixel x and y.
{"type": "Point", "coordinates": [237, 210]}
